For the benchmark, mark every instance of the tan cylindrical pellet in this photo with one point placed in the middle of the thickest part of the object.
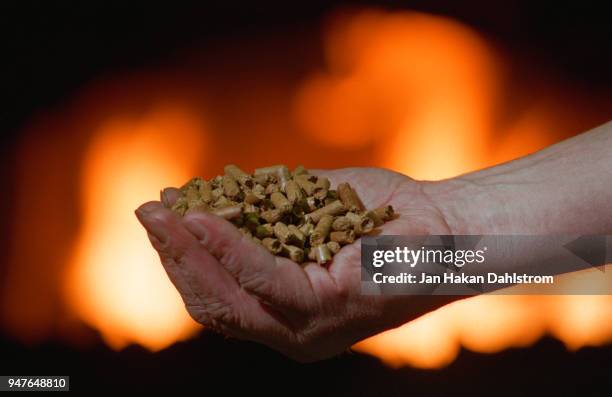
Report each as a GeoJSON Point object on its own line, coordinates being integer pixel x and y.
{"type": "Point", "coordinates": [234, 171]}
{"type": "Point", "coordinates": [280, 171]}
{"type": "Point", "coordinates": [223, 202]}
{"type": "Point", "coordinates": [246, 232]}
{"type": "Point", "coordinates": [217, 193]}
{"type": "Point", "coordinates": [192, 195]}
{"type": "Point", "coordinates": [322, 182]}
{"type": "Point", "coordinates": [306, 183]}
{"type": "Point", "coordinates": [230, 187]}
{"type": "Point", "coordinates": [365, 226]}
{"type": "Point", "coordinates": [180, 205]}
{"type": "Point", "coordinates": [385, 213]}
{"type": "Point", "coordinates": [321, 231]}
{"type": "Point", "coordinates": [307, 177]}
{"type": "Point", "coordinates": [341, 223]}
{"type": "Point", "coordinates": [232, 212]}
{"type": "Point", "coordinates": [307, 229]}
{"type": "Point", "coordinates": [262, 179]}
{"type": "Point", "coordinates": [252, 198]}
{"type": "Point", "coordinates": [322, 254]}
{"type": "Point", "coordinates": [281, 231]}
{"type": "Point", "coordinates": [265, 230]}
{"type": "Point", "coordinates": [375, 218]}
{"type": "Point", "coordinates": [271, 216]}
{"type": "Point", "coordinates": [342, 238]}
{"type": "Point", "coordinates": [195, 182]}
{"type": "Point", "coordinates": [349, 198]}
{"type": "Point", "coordinates": [280, 202]}
{"type": "Point", "coordinates": [217, 181]}
{"type": "Point", "coordinates": [251, 208]}
{"type": "Point", "coordinates": [242, 177]}
{"type": "Point", "coordinates": [271, 170]}
{"type": "Point", "coordinates": [298, 234]}
{"type": "Point", "coordinates": [198, 208]}
{"type": "Point", "coordinates": [299, 170]}
{"type": "Point", "coordinates": [311, 203]}
{"type": "Point", "coordinates": [294, 192]}
{"type": "Point", "coordinates": [352, 217]}
{"type": "Point", "coordinates": [333, 246]}
{"type": "Point", "coordinates": [334, 208]}
{"type": "Point", "coordinates": [284, 176]}
{"type": "Point", "coordinates": [287, 235]}
{"type": "Point", "coordinates": [205, 192]}
{"type": "Point", "coordinates": [272, 245]}
{"type": "Point", "coordinates": [259, 190]}
{"type": "Point", "coordinates": [271, 188]}
{"type": "Point", "coordinates": [321, 188]}
{"type": "Point", "coordinates": [251, 219]}
{"type": "Point", "coordinates": [361, 223]}
{"type": "Point", "coordinates": [294, 253]}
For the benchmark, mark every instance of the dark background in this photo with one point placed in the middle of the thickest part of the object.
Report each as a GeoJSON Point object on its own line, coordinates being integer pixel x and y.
{"type": "Point", "coordinates": [50, 50]}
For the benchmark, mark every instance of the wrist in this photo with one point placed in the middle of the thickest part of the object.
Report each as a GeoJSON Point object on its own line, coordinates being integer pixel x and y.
{"type": "Point", "coordinates": [469, 207]}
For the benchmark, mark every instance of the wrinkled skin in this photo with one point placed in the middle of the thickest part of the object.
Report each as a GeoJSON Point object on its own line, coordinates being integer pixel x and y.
{"type": "Point", "coordinates": [233, 285]}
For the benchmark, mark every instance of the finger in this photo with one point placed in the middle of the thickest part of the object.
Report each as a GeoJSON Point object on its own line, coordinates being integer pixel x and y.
{"type": "Point", "coordinates": [279, 282]}
{"type": "Point", "coordinates": [173, 244]}
{"type": "Point", "coordinates": [206, 289]}
{"type": "Point", "coordinates": [212, 296]}
{"type": "Point", "coordinates": [328, 288]}
{"type": "Point", "coordinates": [174, 273]}
{"type": "Point", "coordinates": [169, 195]}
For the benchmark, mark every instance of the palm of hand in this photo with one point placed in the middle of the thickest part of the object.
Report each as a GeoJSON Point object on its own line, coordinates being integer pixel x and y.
{"type": "Point", "coordinates": [378, 187]}
{"type": "Point", "coordinates": [233, 285]}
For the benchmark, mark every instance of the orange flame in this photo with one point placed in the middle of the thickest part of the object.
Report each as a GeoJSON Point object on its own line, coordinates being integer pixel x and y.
{"type": "Point", "coordinates": [418, 86]}
{"type": "Point", "coordinates": [422, 89]}
{"type": "Point", "coordinates": [115, 282]}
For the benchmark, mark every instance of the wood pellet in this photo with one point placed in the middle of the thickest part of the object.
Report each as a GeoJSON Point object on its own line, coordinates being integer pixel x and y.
{"type": "Point", "coordinates": [292, 214]}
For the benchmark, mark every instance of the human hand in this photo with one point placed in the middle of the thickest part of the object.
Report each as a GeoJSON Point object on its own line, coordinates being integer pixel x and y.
{"type": "Point", "coordinates": [233, 285]}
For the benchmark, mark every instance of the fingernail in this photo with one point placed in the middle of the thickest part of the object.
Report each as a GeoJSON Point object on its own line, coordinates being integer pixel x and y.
{"type": "Point", "coordinates": [163, 198]}
{"type": "Point", "coordinates": [148, 207]}
{"type": "Point", "coordinates": [169, 195]}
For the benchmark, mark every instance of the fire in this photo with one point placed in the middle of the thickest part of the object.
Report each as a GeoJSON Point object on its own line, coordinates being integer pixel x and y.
{"type": "Point", "coordinates": [393, 75]}
{"type": "Point", "coordinates": [115, 282]}
{"type": "Point", "coordinates": [423, 91]}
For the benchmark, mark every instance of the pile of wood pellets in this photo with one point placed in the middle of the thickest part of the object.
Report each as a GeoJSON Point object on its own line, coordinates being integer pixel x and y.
{"type": "Point", "coordinates": [292, 214]}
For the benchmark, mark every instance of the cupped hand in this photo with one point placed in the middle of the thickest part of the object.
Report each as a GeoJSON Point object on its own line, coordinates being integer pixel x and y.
{"type": "Point", "coordinates": [233, 285]}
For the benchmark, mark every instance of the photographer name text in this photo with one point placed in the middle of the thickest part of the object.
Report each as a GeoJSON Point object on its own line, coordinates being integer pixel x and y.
{"type": "Point", "coordinates": [450, 278]}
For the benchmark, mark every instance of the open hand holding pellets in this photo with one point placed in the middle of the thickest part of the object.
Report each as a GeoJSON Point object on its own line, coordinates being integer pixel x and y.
{"type": "Point", "coordinates": [293, 214]}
